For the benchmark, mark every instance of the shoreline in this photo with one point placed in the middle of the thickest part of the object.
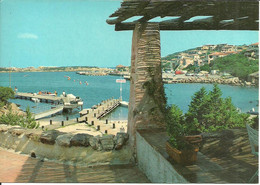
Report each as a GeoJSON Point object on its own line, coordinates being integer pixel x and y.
{"type": "Point", "coordinates": [233, 81]}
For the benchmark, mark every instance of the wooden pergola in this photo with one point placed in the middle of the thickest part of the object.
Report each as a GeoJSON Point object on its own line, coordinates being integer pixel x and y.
{"type": "Point", "coordinates": [147, 99]}
{"type": "Point", "coordinates": [225, 14]}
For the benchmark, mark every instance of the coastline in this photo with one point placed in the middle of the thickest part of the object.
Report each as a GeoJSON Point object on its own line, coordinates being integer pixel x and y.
{"type": "Point", "coordinates": [234, 81]}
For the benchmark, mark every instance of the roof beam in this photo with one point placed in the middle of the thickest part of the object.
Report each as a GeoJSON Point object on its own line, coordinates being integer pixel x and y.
{"type": "Point", "coordinates": [244, 24]}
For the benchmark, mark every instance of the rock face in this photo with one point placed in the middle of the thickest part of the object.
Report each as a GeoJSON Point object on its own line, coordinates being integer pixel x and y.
{"type": "Point", "coordinates": [64, 140]}
{"type": "Point", "coordinates": [80, 140]}
{"type": "Point", "coordinates": [107, 142]}
{"type": "Point", "coordinates": [120, 140]}
{"type": "Point", "coordinates": [14, 109]}
{"type": "Point", "coordinates": [49, 137]}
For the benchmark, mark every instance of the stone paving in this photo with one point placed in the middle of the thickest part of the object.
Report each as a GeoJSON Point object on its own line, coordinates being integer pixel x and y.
{"type": "Point", "coordinates": [23, 169]}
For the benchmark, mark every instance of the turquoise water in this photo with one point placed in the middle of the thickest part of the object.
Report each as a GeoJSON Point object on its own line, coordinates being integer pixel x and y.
{"type": "Point", "coordinates": [103, 87]}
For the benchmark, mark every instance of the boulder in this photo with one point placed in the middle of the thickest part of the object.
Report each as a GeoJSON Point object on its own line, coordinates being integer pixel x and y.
{"type": "Point", "coordinates": [49, 137]}
{"type": "Point", "coordinates": [33, 134]}
{"type": "Point", "coordinates": [107, 142]}
{"type": "Point", "coordinates": [16, 131]}
{"type": "Point", "coordinates": [64, 140]}
{"type": "Point", "coordinates": [4, 128]}
{"type": "Point", "coordinates": [120, 140]}
{"type": "Point", "coordinates": [95, 143]}
{"type": "Point", "coordinates": [80, 140]}
{"type": "Point", "coordinates": [247, 83]}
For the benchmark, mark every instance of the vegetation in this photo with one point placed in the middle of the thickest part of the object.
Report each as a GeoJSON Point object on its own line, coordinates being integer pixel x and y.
{"type": "Point", "coordinates": [208, 112]}
{"type": "Point", "coordinates": [5, 94]}
{"type": "Point", "coordinates": [14, 119]}
{"type": "Point", "coordinates": [237, 65]}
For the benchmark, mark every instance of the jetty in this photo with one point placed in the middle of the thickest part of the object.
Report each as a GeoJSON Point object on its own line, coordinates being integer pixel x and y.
{"type": "Point", "coordinates": [63, 102]}
{"type": "Point", "coordinates": [92, 116]}
{"type": "Point", "coordinates": [48, 112]}
{"type": "Point", "coordinates": [42, 98]}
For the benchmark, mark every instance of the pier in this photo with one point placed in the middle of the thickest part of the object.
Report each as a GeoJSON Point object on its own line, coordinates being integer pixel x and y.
{"type": "Point", "coordinates": [48, 112]}
{"type": "Point", "coordinates": [46, 98]}
{"type": "Point", "coordinates": [93, 117]}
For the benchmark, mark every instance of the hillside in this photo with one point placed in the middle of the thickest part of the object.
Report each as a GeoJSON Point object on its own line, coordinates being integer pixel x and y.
{"type": "Point", "coordinates": [237, 65]}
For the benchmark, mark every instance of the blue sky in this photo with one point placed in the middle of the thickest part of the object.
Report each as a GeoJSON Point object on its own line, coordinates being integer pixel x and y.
{"type": "Point", "coordinates": [75, 33]}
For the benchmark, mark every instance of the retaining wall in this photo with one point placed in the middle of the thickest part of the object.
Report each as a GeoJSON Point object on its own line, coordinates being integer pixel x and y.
{"type": "Point", "coordinates": [154, 165]}
{"type": "Point", "coordinates": [19, 141]}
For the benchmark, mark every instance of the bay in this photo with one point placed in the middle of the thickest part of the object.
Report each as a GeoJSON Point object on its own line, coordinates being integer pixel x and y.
{"type": "Point", "coordinates": [103, 87]}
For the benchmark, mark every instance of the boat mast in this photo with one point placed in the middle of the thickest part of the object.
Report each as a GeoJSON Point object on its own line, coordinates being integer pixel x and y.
{"type": "Point", "coordinates": [9, 74]}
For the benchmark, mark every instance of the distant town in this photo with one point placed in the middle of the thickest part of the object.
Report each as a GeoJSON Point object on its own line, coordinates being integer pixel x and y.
{"type": "Point", "coordinates": [206, 54]}
{"type": "Point", "coordinates": [198, 65]}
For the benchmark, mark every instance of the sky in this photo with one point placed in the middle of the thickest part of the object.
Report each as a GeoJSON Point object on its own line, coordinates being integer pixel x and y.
{"type": "Point", "coordinates": [75, 33]}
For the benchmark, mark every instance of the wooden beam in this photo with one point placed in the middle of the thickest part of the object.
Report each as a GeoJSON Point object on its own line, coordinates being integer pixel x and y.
{"type": "Point", "coordinates": [128, 14]}
{"type": "Point", "coordinates": [244, 24]}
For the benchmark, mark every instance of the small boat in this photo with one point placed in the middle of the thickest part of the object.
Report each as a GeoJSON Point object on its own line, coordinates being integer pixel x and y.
{"type": "Point", "coordinates": [35, 100]}
{"type": "Point", "coordinates": [71, 102]}
{"type": "Point", "coordinates": [253, 112]}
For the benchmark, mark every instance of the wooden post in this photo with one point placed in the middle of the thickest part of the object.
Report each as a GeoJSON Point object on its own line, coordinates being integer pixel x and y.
{"type": "Point", "coordinates": [86, 119]}
{"type": "Point", "coordinates": [92, 122]}
{"type": "Point", "coordinates": [67, 118]}
{"type": "Point", "coordinates": [50, 122]}
{"type": "Point", "coordinates": [62, 123]}
{"type": "Point", "coordinates": [77, 120]}
{"type": "Point", "coordinates": [114, 126]}
{"type": "Point", "coordinates": [106, 121]}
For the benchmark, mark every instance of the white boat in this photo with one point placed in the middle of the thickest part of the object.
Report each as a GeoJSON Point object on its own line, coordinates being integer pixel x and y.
{"type": "Point", "coordinates": [35, 100]}
{"type": "Point", "coordinates": [70, 101]}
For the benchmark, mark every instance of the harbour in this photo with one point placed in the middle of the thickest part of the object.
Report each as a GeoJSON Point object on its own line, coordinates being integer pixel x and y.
{"type": "Point", "coordinates": [245, 98]}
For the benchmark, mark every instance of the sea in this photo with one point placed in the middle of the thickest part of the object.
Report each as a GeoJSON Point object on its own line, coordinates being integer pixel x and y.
{"type": "Point", "coordinates": [93, 89]}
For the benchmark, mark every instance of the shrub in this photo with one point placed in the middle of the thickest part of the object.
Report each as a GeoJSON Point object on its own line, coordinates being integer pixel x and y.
{"type": "Point", "coordinates": [14, 119]}
{"type": "Point", "coordinates": [5, 94]}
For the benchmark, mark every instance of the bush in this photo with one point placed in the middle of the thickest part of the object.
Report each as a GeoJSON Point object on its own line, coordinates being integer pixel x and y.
{"type": "Point", "coordinates": [5, 94]}
{"type": "Point", "coordinates": [14, 119]}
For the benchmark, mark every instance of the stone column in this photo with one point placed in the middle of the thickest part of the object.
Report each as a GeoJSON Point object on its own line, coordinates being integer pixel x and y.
{"type": "Point", "coordinates": [147, 99]}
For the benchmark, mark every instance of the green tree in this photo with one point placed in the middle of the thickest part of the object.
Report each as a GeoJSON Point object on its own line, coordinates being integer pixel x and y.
{"type": "Point", "coordinates": [211, 112]}
{"type": "Point", "coordinates": [5, 94]}
{"type": "Point", "coordinates": [197, 109]}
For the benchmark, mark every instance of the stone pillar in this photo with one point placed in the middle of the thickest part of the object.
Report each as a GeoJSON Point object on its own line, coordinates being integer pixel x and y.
{"type": "Point", "coordinates": [147, 98]}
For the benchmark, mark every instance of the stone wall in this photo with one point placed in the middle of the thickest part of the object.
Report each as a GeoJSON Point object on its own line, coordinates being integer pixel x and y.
{"type": "Point", "coordinates": [147, 99]}
{"type": "Point", "coordinates": [61, 146]}
{"type": "Point", "coordinates": [154, 165]}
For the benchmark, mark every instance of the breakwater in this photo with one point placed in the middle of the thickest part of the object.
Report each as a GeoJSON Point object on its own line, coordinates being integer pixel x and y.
{"type": "Point", "coordinates": [227, 81]}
